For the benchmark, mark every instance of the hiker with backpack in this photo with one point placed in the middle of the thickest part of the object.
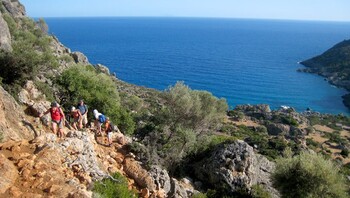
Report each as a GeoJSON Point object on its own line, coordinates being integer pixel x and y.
{"type": "Point", "coordinates": [100, 119]}
{"type": "Point", "coordinates": [57, 119]}
{"type": "Point", "coordinates": [77, 117]}
{"type": "Point", "coordinates": [109, 128]}
{"type": "Point", "coordinates": [83, 111]}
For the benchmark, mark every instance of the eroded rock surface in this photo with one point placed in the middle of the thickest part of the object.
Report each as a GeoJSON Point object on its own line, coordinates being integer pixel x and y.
{"type": "Point", "coordinates": [237, 166]}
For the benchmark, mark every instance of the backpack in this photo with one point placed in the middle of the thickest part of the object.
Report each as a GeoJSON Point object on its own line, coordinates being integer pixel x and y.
{"type": "Point", "coordinates": [102, 118]}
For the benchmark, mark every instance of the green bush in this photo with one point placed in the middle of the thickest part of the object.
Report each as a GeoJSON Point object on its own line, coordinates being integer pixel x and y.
{"type": "Point", "coordinates": [108, 188]}
{"type": "Point", "coordinates": [344, 152]}
{"type": "Point", "coordinates": [236, 114]}
{"type": "Point", "coordinates": [186, 116]}
{"type": "Point", "coordinates": [197, 110]}
{"type": "Point", "coordinates": [311, 143]}
{"type": "Point", "coordinates": [258, 191]}
{"type": "Point", "coordinates": [308, 175]}
{"type": "Point", "coordinates": [30, 56]}
{"type": "Point", "coordinates": [199, 195]}
{"type": "Point", "coordinates": [289, 121]}
{"type": "Point", "coordinates": [98, 91]}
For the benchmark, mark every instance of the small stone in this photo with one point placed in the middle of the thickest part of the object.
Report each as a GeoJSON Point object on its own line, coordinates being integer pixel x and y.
{"type": "Point", "coordinates": [26, 173]}
{"type": "Point", "coordinates": [111, 161]}
{"type": "Point", "coordinates": [15, 192]}
{"type": "Point", "coordinates": [144, 193]}
{"type": "Point", "coordinates": [52, 189]}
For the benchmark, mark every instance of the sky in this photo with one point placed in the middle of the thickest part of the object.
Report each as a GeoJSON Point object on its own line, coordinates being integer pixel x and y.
{"type": "Point", "coordinates": [321, 10]}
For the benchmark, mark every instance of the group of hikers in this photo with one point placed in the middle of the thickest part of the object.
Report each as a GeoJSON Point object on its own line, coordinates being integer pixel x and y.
{"type": "Point", "coordinates": [80, 120]}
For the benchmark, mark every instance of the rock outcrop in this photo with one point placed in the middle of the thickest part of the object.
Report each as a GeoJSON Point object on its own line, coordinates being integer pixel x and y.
{"type": "Point", "coordinates": [14, 7]}
{"type": "Point", "coordinates": [102, 69]}
{"type": "Point", "coordinates": [80, 58]}
{"type": "Point", "coordinates": [255, 111]}
{"type": "Point", "coordinates": [12, 120]}
{"type": "Point", "coordinates": [278, 129]}
{"type": "Point", "coordinates": [5, 36]}
{"type": "Point", "coordinates": [236, 166]}
{"type": "Point", "coordinates": [35, 101]}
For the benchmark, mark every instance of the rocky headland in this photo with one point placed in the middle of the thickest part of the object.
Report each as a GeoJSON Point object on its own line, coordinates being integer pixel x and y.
{"type": "Point", "coordinates": [334, 65]}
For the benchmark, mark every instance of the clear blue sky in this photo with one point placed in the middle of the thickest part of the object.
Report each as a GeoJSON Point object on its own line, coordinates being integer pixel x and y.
{"type": "Point", "coordinates": [329, 10]}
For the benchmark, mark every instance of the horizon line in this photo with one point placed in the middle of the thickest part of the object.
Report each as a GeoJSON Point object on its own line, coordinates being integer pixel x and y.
{"type": "Point", "coordinates": [196, 17]}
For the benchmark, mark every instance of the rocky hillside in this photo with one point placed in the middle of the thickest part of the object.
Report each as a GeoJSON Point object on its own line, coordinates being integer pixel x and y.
{"type": "Point", "coordinates": [177, 143]}
{"type": "Point", "coordinates": [334, 65]}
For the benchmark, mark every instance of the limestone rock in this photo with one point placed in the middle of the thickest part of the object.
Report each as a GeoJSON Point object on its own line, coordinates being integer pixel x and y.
{"type": "Point", "coordinates": [102, 69]}
{"type": "Point", "coordinates": [8, 173]}
{"type": "Point", "coordinates": [14, 7]}
{"type": "Point", "coordinates": [237, 166]}
{"type": "Point", "coordinates": [5, 36]}
{"type": "Point", "coordinates": [29, 94]}
{"type": "Point", "coordinates": [139, 174]}
{"type": "Point", "coordinates": [255, 111]}
{"type": "Point", "coordinates": [161, 178]}
{"type": "Point", "coordinates": [80, 58]}
{"type": "Point", "coordinates": [178, 191]}
{"type": "Point", "coordinates": [277, 129]}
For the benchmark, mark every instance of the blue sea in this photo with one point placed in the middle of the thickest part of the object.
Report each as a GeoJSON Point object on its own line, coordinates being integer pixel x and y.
{"type": "Point", "coordinates": [245, 61]}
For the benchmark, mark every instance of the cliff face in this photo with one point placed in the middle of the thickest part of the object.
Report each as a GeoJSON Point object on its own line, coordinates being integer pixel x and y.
{"type": "Point", "coordinates": [5, 36]}
{"type": "Point", "coordinates": [14, 7]}
{"type": "Point", "coordinates": [13, 124]}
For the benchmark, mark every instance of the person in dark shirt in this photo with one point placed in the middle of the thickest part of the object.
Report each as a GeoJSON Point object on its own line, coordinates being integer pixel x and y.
{"type": "Point", "coordinates": [83, 110]}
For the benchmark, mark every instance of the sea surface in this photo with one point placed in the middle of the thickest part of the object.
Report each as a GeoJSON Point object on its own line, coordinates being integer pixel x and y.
{"type": "Point", "coordinates": [245, 61]}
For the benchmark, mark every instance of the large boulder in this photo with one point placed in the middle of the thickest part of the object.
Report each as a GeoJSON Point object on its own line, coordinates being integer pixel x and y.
{"type": "Point", "coordinates": [5, 36]}
{"type": "Point", "coordinates": [161, 178]}
{"type": "Point", "coordinates": [80, 58]}
{"type": "Point", "coordinates": [236, 166]}
{"type": "Point", "coordinates": [277, 129]}
{"type": "Point", "coordinates": [134, 170]}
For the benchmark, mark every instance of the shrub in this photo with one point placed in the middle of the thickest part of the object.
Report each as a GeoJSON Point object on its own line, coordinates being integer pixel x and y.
{"type": "Point", "coordinates": [98, 91]}
{"type": "Point", "coordinates": [308, 175]}
{"type": "Point", "coordinates": [199, 195]}
{"type": "Point", "coordinates": [186, 116]}
{"type": "Point", "coordinates": [289, 121]}
{"type": "Point", "coordinates": [258, 191]}
{"type": "Point", "coordinates": [311, 143]}
{"type": "Point", "coordinates": [197, 110]}
{"type": "Point", "coordinates": [116, 188]}
{"type": "Point", "coordinates": [31, 54]}
{"type": "Point", "coordinates": [344, 152]}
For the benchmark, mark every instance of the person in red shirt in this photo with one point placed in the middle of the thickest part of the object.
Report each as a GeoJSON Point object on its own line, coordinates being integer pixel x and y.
{"type": "Point", "coordinates": [77, 117]}
{"type": "Point", "coordinates": [57, 119]}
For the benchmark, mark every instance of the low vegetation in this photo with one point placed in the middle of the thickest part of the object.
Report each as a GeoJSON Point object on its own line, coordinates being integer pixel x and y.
{"type": "Point", "coordinates": [30, 56]}
{"type": "Point", "coordinates": [308, 175]}
{"type": "Point", "coordinates": [182, 125]}
{"type": "Point", "coordinates": [116, 187]}
{"type": "Point", "coordinates": [98, 91]}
